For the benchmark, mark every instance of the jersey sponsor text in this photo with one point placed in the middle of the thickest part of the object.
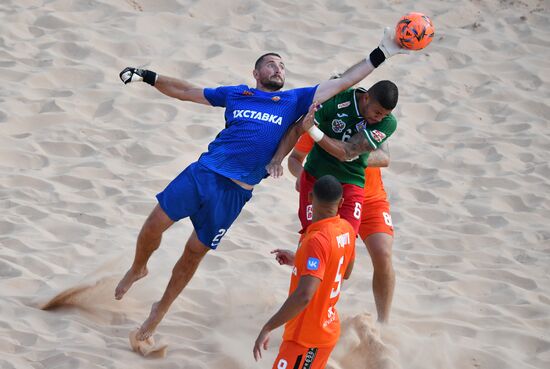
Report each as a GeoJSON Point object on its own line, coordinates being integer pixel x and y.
{"type": "Point", "coordinates": [331, 316]}
{"type": "Point", "coordinates": [258, 115]}
{"type": "Point", "coordinates": [343, 240]}
{"type": "Point", "coordinates": [344, 105]}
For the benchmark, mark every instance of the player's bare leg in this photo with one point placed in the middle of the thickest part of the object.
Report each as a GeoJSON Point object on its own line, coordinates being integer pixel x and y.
{"type": "Point", "coordinates": [379, 246]}
{"type": "Point", "coordinates": [148, 241]}
{"type": "Point", "coordinates": [181, 275]}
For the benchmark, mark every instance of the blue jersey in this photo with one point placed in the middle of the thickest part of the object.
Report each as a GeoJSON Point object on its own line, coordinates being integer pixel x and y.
{"type": "Point", "coordinates": [255, 124]}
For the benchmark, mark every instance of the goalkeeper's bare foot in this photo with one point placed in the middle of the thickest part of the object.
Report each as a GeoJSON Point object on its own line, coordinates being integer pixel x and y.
{"type": "Point", "coordinates": [148, 327]}
{"type": "Point", "coordinates": [126, 282]}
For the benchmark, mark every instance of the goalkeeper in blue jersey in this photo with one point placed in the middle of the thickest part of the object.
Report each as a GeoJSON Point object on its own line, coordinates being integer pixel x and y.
{"type": "Point", "coordinates": [213, 190]}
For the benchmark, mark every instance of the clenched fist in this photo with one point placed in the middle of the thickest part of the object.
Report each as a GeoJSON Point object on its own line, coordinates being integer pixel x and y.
{"type": "Point", "coordinates": [131, 74]}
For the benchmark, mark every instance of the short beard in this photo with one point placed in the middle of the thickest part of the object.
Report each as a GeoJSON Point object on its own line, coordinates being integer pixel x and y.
{"type": "Point", "coordinates": [273, 85]}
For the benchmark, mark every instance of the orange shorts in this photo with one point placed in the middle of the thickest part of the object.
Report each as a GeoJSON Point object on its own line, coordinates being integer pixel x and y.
{"type": "Point", "coordinates": [375, 218]}
{"type": "Point", "coordinates": [295, 356]}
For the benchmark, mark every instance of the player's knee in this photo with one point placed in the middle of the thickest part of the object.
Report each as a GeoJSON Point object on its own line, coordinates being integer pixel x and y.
{"type": "Point", "coordinates": [382, 259]}
{"type": "Point", "coordinates": [150, 229]}
{"type": "Point", "coordinates": [381, 254]}
{"type": "Point", "coordinates": [157, 222]}
{"type": "Point", "coordinates": [197, 253]}
{"type": "Point", "coordinates": [195, 249]}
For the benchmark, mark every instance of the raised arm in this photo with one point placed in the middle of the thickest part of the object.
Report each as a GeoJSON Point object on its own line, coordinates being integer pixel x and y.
{"type": "Point", "coordinates": [386, 49]}
{"type": "Point", "coordinates": [350, 77]}
{"type": "Point", "coordinates": [181, 89]}
{"type": "Point", "coordinates": [172, 87]}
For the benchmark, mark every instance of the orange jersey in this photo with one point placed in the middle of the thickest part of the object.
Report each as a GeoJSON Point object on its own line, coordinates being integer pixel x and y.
{"type": "Point", "coordinates": [374, 187]}
{"type": "Point", "coordinates": [325, 252]}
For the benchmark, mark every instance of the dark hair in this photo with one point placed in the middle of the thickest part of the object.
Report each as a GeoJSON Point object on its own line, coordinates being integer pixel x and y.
{"type": "Point", "coordinates": [327, 189]}
{"type": "Point", "coordinates": [386, 93]}
{"type": "Point", "coordinates": [258, 63]}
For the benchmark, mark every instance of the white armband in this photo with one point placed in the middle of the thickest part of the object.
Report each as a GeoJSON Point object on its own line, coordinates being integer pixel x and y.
{"type": "Point", "coordinates": [316, 133]}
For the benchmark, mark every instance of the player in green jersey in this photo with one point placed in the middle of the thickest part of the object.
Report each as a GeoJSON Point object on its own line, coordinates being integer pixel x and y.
{"type": "Point", "coordinates": [342, 117]}
{"type": "Point", "coordinates": [350, 126]}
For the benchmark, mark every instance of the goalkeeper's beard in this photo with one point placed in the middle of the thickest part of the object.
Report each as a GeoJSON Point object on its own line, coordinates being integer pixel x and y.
{"type": "Point", "coordinates": [273, 84]}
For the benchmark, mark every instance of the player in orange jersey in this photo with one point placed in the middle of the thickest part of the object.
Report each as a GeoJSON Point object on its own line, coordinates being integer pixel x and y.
{"type": "Point", "coordinates": [376, 228]}
{"type": "Point", "coordinates": [323, 260]}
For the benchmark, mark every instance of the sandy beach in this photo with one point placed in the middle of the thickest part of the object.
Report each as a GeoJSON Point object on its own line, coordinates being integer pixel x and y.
{"type": "Point", "coordinates": [82, 157]}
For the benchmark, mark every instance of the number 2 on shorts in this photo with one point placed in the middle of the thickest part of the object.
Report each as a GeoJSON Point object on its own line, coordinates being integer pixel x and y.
{"type": "Point", "coordinates": [218, 237]}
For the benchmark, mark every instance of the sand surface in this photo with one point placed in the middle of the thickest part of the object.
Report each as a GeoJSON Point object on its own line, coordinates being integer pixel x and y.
{"type": "Point", "coordinates": [82, 156]}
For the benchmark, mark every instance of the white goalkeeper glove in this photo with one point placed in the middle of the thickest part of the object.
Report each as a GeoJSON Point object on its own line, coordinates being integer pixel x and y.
{"type": "Point", "coordinates": [387, 48]}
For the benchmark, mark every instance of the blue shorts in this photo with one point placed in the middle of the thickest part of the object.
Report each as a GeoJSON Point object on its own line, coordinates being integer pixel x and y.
{"type": "Point", "coordinates": [212, 201]}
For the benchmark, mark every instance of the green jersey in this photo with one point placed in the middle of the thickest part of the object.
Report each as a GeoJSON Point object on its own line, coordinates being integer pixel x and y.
{"type": "Point", "coordinates": [339, 118]}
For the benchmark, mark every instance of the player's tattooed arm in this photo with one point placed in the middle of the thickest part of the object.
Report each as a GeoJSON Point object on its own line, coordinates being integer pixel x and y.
{"type": "Point", "coordinates": [346, 151]}
{"type": "Point", "coordinates": [379, 157]}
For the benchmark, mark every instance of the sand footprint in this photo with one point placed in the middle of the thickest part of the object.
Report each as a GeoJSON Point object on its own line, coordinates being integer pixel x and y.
{"type": "Point", "coordinates": [134, 4]}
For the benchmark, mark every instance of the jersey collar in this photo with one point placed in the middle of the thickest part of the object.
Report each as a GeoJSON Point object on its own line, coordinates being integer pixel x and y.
{"type": "Point", "coordinates": [320, 224]}
{"type": "Point", "coordinates": [355, 104]}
